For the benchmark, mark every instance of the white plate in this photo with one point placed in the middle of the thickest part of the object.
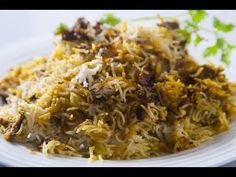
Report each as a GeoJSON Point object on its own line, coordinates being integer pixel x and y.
{"type": "Point", "coordinates": [219, 151]}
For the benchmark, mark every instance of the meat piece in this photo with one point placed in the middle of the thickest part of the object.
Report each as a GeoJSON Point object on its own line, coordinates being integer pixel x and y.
{"type": "Point", "coordinates": [3, 97]}
{"type": "Point", "coordinates": [78, 32]}
{"type": "Point", "coordinates": [11, 129]}
{"type": "Point", "coordinates": [139, 113]}
{"type": "Point", "coordinates": [16, 127]}
{"type": "Point", "coordinates": [103, 92]}
{"type": "Point", "coordinates": [146, 95]}
{"type": "Point", "coordinates": [140, 91]}
{"type": "Point", "coordinates": [183, 43]}
{"type": "Point", "coordinates": [4, 123]}
{"type": "Point", "coordinates": [69, 36]}
{"type": "Point", "coordinates": [185, 68]}
{"type": "Point", "coordinates": [33, 98]}
{"type": "Point", "coordinates": [153, 99]}
{"type": "Point", "coordinates": [81, 36]}
{"type": "Point", "coordinates": [208, 72]}
{"type": "Point", "coordinates": [146, 80]}
{"type": "Point", "coordinates": [81, 23]}
{"type": "Point", "coordinates": [98, 28]}
{"type": "Point", "coordinates": [170, 25]}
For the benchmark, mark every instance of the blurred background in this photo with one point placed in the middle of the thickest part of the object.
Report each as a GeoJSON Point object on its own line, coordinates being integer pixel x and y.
{"type": "Point", "coordinates": [22, 24]}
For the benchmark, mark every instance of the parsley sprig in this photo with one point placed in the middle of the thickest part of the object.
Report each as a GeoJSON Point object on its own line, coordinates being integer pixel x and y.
{"type": "Point", "coordinates": [191, 30]}
{"type": "Point", "coordinates": [221, 47]}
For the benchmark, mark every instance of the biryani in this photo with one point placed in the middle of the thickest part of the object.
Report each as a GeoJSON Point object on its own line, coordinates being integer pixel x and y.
{"type": "Point", "coordinates": [116, 93]}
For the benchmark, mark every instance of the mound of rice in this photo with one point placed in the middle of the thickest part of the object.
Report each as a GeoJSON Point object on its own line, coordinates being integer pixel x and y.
{"type": "Point", "coordinates": [116, 93]}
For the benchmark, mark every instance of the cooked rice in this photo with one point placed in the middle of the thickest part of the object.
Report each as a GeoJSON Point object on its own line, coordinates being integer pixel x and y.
{"type": "Point", "coordinates": [115, 93]}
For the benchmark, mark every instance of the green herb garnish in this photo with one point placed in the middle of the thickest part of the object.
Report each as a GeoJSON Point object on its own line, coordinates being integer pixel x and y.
{"type": "Point", "coordinates": [221, 26]}
{"type": "Point", "coordinates": [197, 15]}
{"type": "Point", "coordinates": [198, 39]}
{"type": "Point", "coordinates": [226, 53]}
{"type": "Point", "coordinates": [221, 46]}
{"type": "Point", "coordinates": [61, 28]}
{"type": "Point", "coordinates": [110, 19]}
{"type": "Point", "coordinates": [210, 51]}
{"type": "Point", "coordinates": [190, 30]}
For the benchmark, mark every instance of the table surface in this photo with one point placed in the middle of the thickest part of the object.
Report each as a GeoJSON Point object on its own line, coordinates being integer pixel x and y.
{"type": "Point", "coordinates": [31, 23]}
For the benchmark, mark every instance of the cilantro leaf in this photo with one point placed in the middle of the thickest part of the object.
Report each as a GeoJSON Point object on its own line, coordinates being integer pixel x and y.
{"type": "Point", "coordinates": [226, 53]}
{"type": "Point", "coordinates": [210, 51]}
{"type": "Point", "coordinates": [190, 25]}
{"type": "Point", "coordinates": [110, 19]}
{"type": "Point", "coordinates": [220, 46]}
{"type": "Point", "coordinates": [197, 15]}
{"type": "Point", "coordinates": [61, 28]}
{"type": "Point", "coordinates": [225, 58]}
{"type": "Point", "coordinates": [221, 26]}
{"type": "Point", "coordinates": [220, 43]}
{"type": "Point", "coordinates": [198, 39]}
